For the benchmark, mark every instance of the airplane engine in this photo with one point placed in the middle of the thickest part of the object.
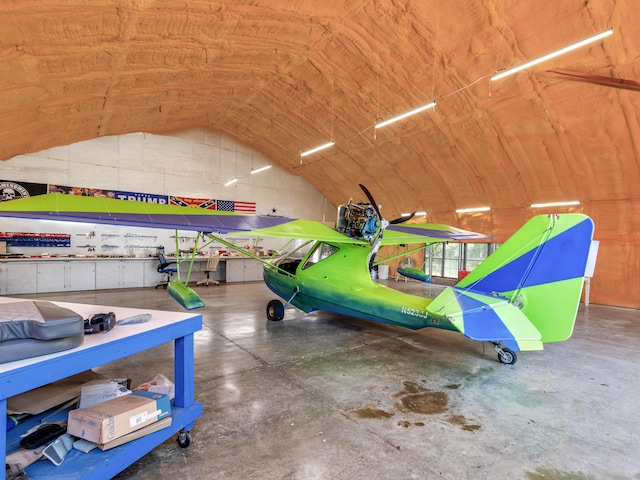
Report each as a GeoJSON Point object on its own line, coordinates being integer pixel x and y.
{"type": "Point", "coordinates": [357, 220]}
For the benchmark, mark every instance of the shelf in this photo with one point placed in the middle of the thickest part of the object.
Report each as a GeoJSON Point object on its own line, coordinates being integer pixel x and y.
{"type": "Point", "coordinates": [98, 464]}
{"type": "Point", "coordinates": [24, 375]}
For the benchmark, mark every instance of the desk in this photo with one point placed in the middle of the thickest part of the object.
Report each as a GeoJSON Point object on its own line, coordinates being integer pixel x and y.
{"type": "Point", "coordinates": [122, 341]}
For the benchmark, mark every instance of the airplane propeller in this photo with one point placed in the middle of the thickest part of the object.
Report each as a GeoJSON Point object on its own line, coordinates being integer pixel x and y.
{"type": "Point", "coordinates": [402, 219]}
{"type": "Point", "coordinates": [372, 201]}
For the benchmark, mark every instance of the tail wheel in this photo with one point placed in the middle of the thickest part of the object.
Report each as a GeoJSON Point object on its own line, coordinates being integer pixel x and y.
{"type": "Point", "coordinates": [507, 356]}
{"type": "Point", "coordinates": [275, 310]}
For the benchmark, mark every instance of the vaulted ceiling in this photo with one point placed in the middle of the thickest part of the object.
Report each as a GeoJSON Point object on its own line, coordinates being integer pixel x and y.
{"type": "Point", "coordinates": [288, 75]}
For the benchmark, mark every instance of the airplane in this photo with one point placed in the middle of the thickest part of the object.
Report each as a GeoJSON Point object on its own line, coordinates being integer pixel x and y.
{"type": "Point", "coordinates": [522, 296]}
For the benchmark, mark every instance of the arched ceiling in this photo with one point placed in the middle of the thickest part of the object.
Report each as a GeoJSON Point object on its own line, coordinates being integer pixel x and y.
{"type": "Point", "coordinates": [285, 76]}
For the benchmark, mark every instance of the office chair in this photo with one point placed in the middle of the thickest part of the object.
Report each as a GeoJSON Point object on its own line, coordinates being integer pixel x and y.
{"type": "Point", "coordinates": [212, 266]}
{"type": "Point", "coordinates": [165, 268]}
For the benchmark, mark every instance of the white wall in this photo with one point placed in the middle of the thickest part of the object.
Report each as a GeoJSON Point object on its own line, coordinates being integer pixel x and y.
{"type": "Point", "coordinates": [192, 163]}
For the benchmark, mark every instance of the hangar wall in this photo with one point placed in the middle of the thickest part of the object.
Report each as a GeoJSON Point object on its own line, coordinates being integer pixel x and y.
{"type": "Point", "coordinates": [192, 163]}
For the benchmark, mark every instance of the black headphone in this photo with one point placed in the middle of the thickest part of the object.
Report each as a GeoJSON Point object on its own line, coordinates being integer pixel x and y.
{"type": "Point", "coordinates": [100, 322]}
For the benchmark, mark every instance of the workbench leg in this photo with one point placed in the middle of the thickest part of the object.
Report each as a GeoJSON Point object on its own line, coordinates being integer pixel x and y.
{"type": "Point", "coordinates": [184, 371]}
{"type": "Point", "coordinates": [3, 426]}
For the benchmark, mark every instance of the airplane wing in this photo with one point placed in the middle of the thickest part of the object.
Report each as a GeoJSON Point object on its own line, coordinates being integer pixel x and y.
{"type": "Point", "coordinates": [427, 233]}
{"type": "Point", "coordinates": [305, 230]}
{"type": "Point", "coordinates": [483, 317]}
{"type": "Point", "coordinates": [74, 208]}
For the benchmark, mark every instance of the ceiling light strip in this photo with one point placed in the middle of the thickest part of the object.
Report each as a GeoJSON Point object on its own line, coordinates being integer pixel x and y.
{"type": "Point", "coordinates": [474, 209]}
{"type": "Point", "coordinates": [231, 182]}
{"type": "Point", "coordinates": [405, 115]}
{"type": "Point", "coordinates": [261, 169]}
{"type": "Point", "coordinates": [551, 55]}
{"type": "Point", "coordinates": [317, 149]}
{"type": "Point", "coordinates": [555, 204]}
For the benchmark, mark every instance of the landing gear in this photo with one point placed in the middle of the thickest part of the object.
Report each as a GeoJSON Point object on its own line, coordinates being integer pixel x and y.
{"type": "Point", "coordinates": [506, 356]}
{"type": "Point", "coordinates": [275, 310]}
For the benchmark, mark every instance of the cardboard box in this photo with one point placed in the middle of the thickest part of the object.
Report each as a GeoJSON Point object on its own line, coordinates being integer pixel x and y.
{"type": "Point", "coordinates": [48, 396]}
{"type": "Point", "coordinates": [106, 421]}
{"type": "Point", "coordinates": [154, 427]}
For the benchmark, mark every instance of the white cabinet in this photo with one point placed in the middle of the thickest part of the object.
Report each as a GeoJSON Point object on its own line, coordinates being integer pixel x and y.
{"type": "Point", "coordinates": [61, 275]}
{"type": "Point", "coordinates": [119, 273]}
{"type": "Point", "coordinates": [150, 273]}
{"type": "Point", "coordinates": [81, 275]}
{"type": "Point", "coordinates": [107, 274]}
{"type": "Point", "coordinates": [132, 273]}
{"type": "Point", "coordinates": [21, 277]}
{"type": "Point", "coordinates": [252, 270]}
{"type": "Point", "coordinates": [243, 270]}
{"type": "Point", "coordinates": [51, 277]}
{"type": "Point", "coordinates": [3, 278]}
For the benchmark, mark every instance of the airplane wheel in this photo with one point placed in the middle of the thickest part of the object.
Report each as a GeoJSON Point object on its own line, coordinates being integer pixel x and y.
{"type": "Point", "coordinates": [275, 310]}
{"type": "Point", "coordinates": [507, 356]}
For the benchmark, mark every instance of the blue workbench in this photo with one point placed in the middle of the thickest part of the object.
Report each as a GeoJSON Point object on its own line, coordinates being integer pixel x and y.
{"type": "Point", "coordinates": [99, 349]}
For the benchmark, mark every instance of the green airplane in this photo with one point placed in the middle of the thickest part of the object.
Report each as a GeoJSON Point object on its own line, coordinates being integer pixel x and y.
{"type": "Point", "coordinates": [522, 296]}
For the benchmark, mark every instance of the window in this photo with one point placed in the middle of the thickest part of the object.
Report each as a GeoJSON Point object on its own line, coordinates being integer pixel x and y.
{"type": "Point", "coordinates": [322, 251]}
{"type": "Point", "coordinates": [447, 259]}
{"type": "Point", "coordinates": [451, 260]}
{"type": "Point", "coordinates": [474, 254]}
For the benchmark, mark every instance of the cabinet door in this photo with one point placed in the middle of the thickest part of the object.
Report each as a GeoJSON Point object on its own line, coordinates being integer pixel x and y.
{"type": "Point", "coordinates": [252, 270]}
{"type": "Point", "coordinates": [235, 270]}
{"type": "Point", "coordinates": [21, 277]}
{"type": "Point", "coordinates": [51, 276]}
{"type": "Point", "coordinates": [107, 274]}
{"type": "Point", "coordinates": [3, 278]}
{"type": "Point", "coordinates": [132, 273]}
{"type": "Point", "coordinates": [81, 275]}
{"type": "Point", "coordinates": [151, 275]}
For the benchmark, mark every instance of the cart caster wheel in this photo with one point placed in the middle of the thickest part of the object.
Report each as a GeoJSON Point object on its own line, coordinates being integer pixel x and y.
{"type": "Point", "coordinates": [184, 439]}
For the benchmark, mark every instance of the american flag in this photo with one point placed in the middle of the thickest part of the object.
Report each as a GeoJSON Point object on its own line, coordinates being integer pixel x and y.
{"type": "Point", "coordinates": [224, 205]}
{"type": "Point", "coordinates": [244, 207]}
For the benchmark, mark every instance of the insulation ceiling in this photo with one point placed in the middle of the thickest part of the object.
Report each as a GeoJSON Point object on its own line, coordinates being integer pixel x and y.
{"type": "Point", "coordinates": [285, 76]}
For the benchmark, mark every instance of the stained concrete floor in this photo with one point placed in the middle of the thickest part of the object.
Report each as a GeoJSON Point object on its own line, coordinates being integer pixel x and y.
{"type": "Point", "coordinates": [322, 396]}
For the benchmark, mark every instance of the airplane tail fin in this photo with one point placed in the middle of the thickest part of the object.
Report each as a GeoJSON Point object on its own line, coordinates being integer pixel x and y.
{"type": "Point", "coordinates": [528, 291]}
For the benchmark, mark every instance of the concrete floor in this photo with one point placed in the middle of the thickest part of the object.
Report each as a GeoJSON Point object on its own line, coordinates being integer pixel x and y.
{"type": "Point", "coordinates": [322, 396]}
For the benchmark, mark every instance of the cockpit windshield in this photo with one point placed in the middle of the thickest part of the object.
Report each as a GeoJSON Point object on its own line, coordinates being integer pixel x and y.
{"type": "Point", "coordinates": [320, 252]}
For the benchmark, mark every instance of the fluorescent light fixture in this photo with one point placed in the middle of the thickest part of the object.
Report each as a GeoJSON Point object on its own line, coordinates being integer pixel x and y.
{"type": "Point", "coordinates": [407, 114]}
{"type": "Point", "coordinates": [317, 149]}
{"type": "Point", "coordinates": [555, 204]}
{"type": "Point", "coordinates": [231, 182]}
{"type": "Point", "coordinates": [472, 210]}
{"type": "Point", "coordinates": [553, 54]}
{"type": "Point", "coordinates": [261, 169]}
{"type": "Point", "coordinates": [417, 214]}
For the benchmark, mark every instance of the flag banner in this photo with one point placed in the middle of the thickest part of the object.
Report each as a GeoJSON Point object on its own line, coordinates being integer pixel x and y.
{"type": "Point", "coordinates": [205, 203]}
{"type": "Point", "coordinates": [10, 190]}
{"type": "Point", "coordinates": [244, 207]}
{"type": "Point", "coordinates": [118, 194]}
{"type": "Point", "coordinates": [224, 205]}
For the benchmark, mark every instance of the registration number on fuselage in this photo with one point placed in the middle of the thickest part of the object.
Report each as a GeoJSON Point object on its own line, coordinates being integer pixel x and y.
{"type": "Point", "coordinates": [414, 312]}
